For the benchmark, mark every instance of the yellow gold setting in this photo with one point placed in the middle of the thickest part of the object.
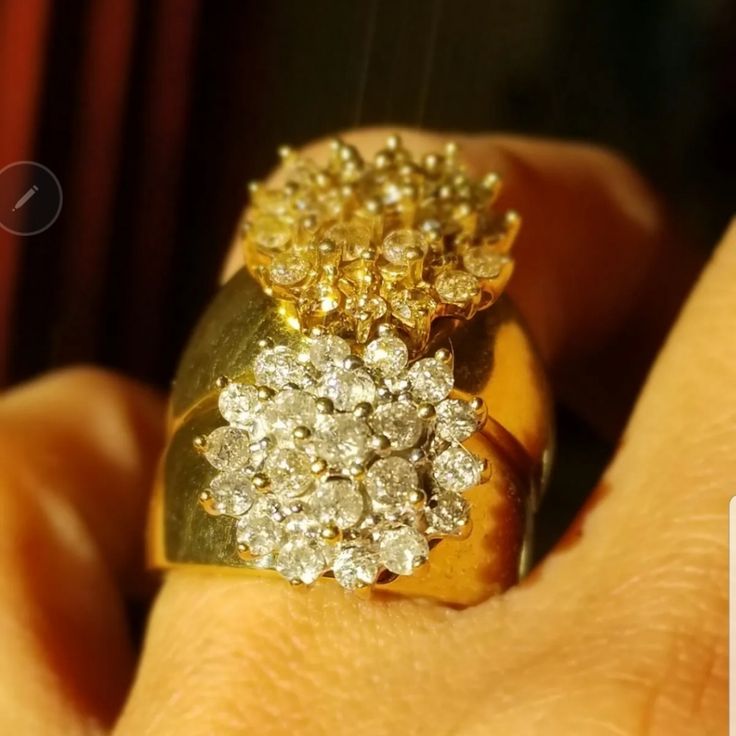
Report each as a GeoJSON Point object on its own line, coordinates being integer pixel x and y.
{"type": "Point", "coordinates": [378, 431]}
{"type": "Point", "coordinates": [398, 239]}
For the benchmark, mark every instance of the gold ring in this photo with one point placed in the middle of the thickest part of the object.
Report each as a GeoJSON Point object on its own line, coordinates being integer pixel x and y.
{"type": "Point", "coordinates": [361, 405]}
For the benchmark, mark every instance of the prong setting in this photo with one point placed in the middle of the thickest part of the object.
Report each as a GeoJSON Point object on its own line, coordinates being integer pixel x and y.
{"type": "Point", "coordinates": [346, 454]}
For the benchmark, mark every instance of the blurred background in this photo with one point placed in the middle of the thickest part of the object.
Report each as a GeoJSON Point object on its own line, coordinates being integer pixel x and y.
{"type": "Point", "coordinates": [155, 115]}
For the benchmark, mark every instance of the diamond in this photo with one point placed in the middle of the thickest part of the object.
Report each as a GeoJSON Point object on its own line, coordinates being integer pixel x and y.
{"type": "Point", "coordinates": [231, 493]}
{"type": "Point", "coordinates": [302, 525]}
{"type": "Point", "coordinates": [289, 409]}
{"type": "Point", "coordinates": [301, 560]}
{"type": "Point", "coordinates": [391, 193]}
{"type": "Point", "coordinates": [356, 566]}
{"type": "Point", "coordinates": [347, 388]}
{"type": "Point", "coordinates": [239, 404]}
{"type": "Point", "coordinates": [402, 549]}
{"type": "Point", "coordinates": [369, 230]}
{"type": "Point", "coordinates": [271, 201]}
{"type": "Point", "coordinates": [270, 233]}
{"type": "Point", "coordinates": [227, 448]}
{"type": "Point", "coordinates": [289, 472]}
{"type": "Point", "coordinates": [399, 422]}
{"type": "Point", "coordinates": [484, 262]}
{"type": "Point", "coordinates": [352, 239]}
{"type": "Point", "coordinates": [341, 439]}
{"type": "Point", "coordinates": [383, 509]}
{"type": "Point", "coordinates": [456, 287]}
{"type": "Point", "coordinates": [258, 530]}
{"type": "Point", "coordinates": [275, 367]}
{"type": "Point", "coordinates": [390, 480]}
{"type": "Point", "coordinates": [337, 501]}
{"type": "Point", "coordinates": [456, 420]}
{"type": "Point", "coordinates": [287, 269]}
{"type": "Point", "coordinates": [456, 469]}
{"type": "Point", "coordinates": [402, 246]}
{"type": "Point", "coordinates": [447, 513]}
{"type": "Point", "coordinates": [349, 457]}
{"type": "Point", "coordinates": [431, 379]}
{"type": "Point", "coordinates": [388, 355]}
{"type": "Point", "coordinates": [328, 350]}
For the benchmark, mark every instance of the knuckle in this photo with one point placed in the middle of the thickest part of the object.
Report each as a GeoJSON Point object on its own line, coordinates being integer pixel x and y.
{"type": "Point", "coordinates": [627, 186]}
{"type": "Point", "coordinates": [84, 377]}
{"type": "Point", "coordinates": [675, 675]}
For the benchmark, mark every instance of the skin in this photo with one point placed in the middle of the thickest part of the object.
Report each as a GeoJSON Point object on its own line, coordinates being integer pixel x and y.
{"type": "Point", "coordinates": [621, 630]}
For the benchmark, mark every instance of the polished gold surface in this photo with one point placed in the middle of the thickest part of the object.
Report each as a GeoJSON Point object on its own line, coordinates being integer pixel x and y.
{"type": "Point", "coordinates": [494, 359]}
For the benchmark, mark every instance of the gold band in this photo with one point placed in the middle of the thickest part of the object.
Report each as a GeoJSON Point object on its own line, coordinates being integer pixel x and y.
{"type": "Point", "coordinates": [494, 361]}
{"type": "Point", "coordinates": [461, 572]}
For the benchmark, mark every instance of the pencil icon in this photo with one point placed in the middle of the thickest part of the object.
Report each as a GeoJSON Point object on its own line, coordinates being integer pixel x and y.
{"type": "Point", "coordinates": [25, 197]}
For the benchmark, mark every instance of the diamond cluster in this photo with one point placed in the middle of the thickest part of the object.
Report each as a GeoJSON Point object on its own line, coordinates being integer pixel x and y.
{"type": "Point", "coordinates": [399, 239]}
{"type": "Point", "coordinates": [343, 463]}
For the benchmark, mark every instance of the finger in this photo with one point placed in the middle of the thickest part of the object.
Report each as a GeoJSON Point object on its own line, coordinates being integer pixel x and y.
{"type": "Point", "coordinates": [657, 537]}
{"type": "Point", "coordinates": [229, 654]}
{"type": "Point", "coordinates": [593, 236]}
{"type": "Point", "coordinates": [623, 632]}
{"type": "Point", "coordinates": [76, 453]}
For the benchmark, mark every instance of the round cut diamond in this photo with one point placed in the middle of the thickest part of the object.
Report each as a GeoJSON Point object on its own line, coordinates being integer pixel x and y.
{"type": "Point", "coordinates": [272, 202]}
{"type": "Point", "coordinates": [402, 549]}
{"type": "Point", "coordinates": [231, 494]}
{"type": "Point", "coordinates": [227, 448]}
{"type": "Point", "coordinates": [289, 409]}
{"type": "Point", "coordinates": [399, 422]}
{"type": "Point", "coordinates": [258, 530]}
{"type": "Point", "coordinates": [388, 355]}
{"type": "Point", "coordinates": [347, 388]}
{"type": "Point", "coordinates": [456, 420]}
{"type": "Point", "coordinates": [302, 525]}
{"type": "Point", "coordinates": [457, 287]}
{"type": "Point", "coordinates": [341, 439]}
{"type": "Point", "coordinates": [301, 560]}
{"type": "Point", "coordinates": [337, 501]}
{"type": "Point", "coordinates": [484, 262]}
{"type": "Point", "coordinates": [289, 472]}
{"type": "Point", "coordinates": [287, 269]}
{"type": "Point", "coordinates": [402, 246]}
{"type": "Point", "coordinates": [431, 379]}
{"type": "Point", "coordinates": [456, 469]}
{"type": "Point", "coordinates": [239, 404]}
{"type": "Point", "coordinates": [352, 238]}
{"type": "Point", "coordinates": [326, 351]}
{"type": "Point", "coordinates": [316, 481]}
{"type": "Point", "coordinates": [390, 480]}
{"type": "Point", "coordinates": [275, 367]}
{"type": "Point", "coordinates": [447, 513]}
{"type": "Point", "coordinates": [356, 565]}
{"type": "Point", "coordinates": [270, 233]}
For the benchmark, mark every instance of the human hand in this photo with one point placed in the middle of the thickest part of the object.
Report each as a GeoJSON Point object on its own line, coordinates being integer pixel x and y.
{"type": "Point", "coordinates": [621, 630]}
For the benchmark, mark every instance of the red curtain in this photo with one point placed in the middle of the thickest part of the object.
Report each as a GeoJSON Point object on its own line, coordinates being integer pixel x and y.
{"type": "Point", "coordinates": [117, 50]}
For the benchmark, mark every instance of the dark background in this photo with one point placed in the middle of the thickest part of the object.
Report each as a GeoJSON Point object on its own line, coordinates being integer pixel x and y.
{"type": "Point", "coordinates": [155, 115]}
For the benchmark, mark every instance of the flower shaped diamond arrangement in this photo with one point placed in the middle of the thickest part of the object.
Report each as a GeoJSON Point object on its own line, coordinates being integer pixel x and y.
{"type": "Point", "coordinates": [343, 464]}
{"type": "Point", "coordinates": [397, 239]}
